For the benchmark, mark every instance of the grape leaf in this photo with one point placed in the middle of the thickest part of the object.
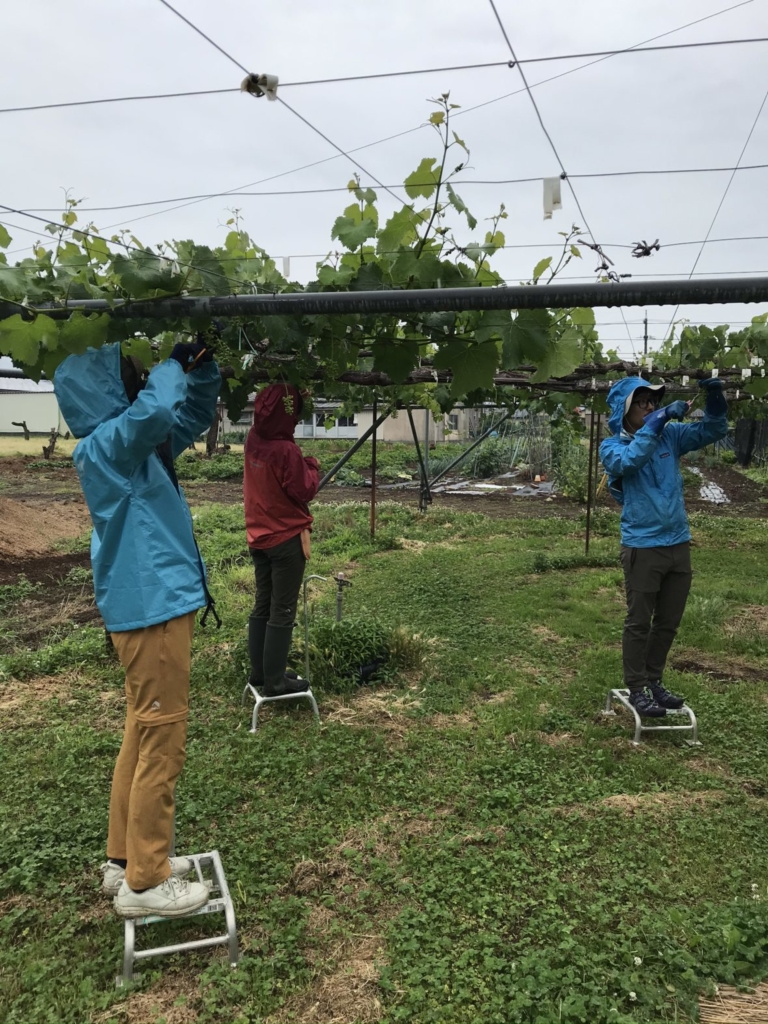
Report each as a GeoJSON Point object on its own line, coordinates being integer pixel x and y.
{"type": "Point", "coordinates": [540, 267]}
{"type": "Point", "coordinates": [437, 118]}
{"type": "Point", "coordinates": [561, 357]}
{"type": "Point", "coordinates": [396, 359]}
{"type": "Point", "coordinates": [399, 230]}
{"type": "Point", "coordinates": [81, 332]}
{"type": "Point", "coordinates": [473, 366]}
{"type": "Point", "coordinates": [493, 323]}
{"type": "Point", "coordinates": [5, 238]}
{"type": "Point", "coordinates": [423, 181]}
{"type": "Point", "coordinates": [757, 386]}
{"type": "Point", "coordinates": [528, 338]}
{"type": "Point", "coordinates": [146, 276]}
{"type": "Point", "coordinates": [139, 347]}
{"type": "Point", "coordinates": [583, 316]}
{"type": "Point", "coordinates": [460, 206]}
{"type": "Point", "coordinates": [22, 339]}
{"type": "Point", "coordinates": [353, 235]}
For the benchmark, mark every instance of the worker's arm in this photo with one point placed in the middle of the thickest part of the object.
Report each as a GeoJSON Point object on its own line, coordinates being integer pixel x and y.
{"type": "Point", "coordinates": [301, 475]}
{"type": "Point", "coordinates": [197, 412]}
{"type": "Point", "coordinates": [127, 440]}
{"type": "Point", "coordinates": [714, 427]}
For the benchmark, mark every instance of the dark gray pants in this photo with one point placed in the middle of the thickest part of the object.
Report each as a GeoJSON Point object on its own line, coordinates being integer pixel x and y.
{"type": "Point", "coordinates": [279, 572]}
{"type": "Point", "coordinates": [657, 582]}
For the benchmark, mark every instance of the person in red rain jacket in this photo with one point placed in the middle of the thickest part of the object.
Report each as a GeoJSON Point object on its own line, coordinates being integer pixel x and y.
{"type": "Point", "coordinates": [279, 482]}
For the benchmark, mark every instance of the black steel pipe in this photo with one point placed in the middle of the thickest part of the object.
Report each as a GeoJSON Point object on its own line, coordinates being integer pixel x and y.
{"type": "Point", "coordinates": [562, 295]}
{"type": "Point", "coordinates": [475, 443]}
{"type": "Point", "coordinates": [348, 454]}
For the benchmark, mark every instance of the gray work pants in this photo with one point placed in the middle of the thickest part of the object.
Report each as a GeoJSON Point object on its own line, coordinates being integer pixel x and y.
{"type": "Point", "coordinates": [657, 582]}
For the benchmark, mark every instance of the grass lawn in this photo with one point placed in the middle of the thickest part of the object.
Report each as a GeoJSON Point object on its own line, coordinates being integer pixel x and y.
{"type": "Point", "coordinates": [468, 841]}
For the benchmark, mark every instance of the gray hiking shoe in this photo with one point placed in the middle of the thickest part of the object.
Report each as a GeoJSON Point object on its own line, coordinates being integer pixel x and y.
{"type": "Point", "coordinates": [175, 897]}
{"type": "Point", "coordinates": [113, 874]}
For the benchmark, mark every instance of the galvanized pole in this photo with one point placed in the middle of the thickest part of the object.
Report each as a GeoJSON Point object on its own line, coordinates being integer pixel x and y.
{"type": "Point", "coordinates": [589, 475]}
{"type": "Point", "coordinates": [426, 443]}
{"type": "Point", "coordinates": [645, 336]}
{"type": "Point", "coordinates": [373, 474]}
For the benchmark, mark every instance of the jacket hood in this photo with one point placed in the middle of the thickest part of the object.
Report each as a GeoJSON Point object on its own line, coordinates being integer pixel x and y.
{"type": "Point", "coordinates": [271, 419]}
{"type": "Point", "coordinates": [89, 389]}
{"type": "Point", "coordinates": [617, 399]}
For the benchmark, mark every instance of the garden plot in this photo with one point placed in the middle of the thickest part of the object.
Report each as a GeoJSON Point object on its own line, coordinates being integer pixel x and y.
{"type": "Point", "coordinates": [465, 839]}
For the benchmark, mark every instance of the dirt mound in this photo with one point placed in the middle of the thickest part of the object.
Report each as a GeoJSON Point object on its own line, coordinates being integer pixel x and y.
{"type": "Point", "coordinates": [29, 528]}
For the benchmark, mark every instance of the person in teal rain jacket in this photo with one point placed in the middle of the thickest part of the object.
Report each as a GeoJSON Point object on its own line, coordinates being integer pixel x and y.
{"type": "Point", "coordinates": [149, 582]}
{"type": "Point", "coordinates": [642, 460]}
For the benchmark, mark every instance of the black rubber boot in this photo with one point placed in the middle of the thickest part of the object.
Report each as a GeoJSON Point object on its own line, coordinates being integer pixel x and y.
{"type": "Point", "coordinates": [257, 631]}
{"type": "Point", "coordinates": [276, 648]}
{"type": "Point", "coordinates": [645, 705]}
{"type": "Point", "coordinates": [666, 699]}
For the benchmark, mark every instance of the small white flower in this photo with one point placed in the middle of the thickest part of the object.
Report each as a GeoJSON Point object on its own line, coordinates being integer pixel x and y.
{"type": "Point", "coordinates": [755, 895]}
{"type": "Point", "coordinates": [633, 997]}
{"type": "Point", "coordinates": [717, 990]}
{"type": "Point", "coordinates": [638, 961]}
{"type": "Point", "coordinates": [755, 887]}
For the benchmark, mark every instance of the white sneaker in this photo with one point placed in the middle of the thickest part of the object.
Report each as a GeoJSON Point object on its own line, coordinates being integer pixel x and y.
{"type": "Point", "coordinates": [113, 874]}
{"type": "Point", "coordinates": [175, 897]}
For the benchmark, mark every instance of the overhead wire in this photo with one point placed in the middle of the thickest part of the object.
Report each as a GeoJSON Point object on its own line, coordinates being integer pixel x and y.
{"type": "Point", "coordinates": [280, 100]}
{"type": "Point", "coordinates": [456, 113]}
{"type": "Point", "coordinates": [722, 201]}
{"type": "Point", "coordinates": [462, 182]}
{"type": "Point", "coordinates": [381, 74]}
{"type": "Point", "coordinates": [550, 140]}
{"type": "Point", "coordinates": [389, 252]}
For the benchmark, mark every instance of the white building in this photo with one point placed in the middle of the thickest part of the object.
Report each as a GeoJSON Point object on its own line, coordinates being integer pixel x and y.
{"type": "Point", "coordinates": [26, 401]}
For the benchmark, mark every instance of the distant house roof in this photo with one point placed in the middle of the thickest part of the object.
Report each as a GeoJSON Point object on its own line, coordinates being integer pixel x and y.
{"type": "Point", "coordinates": [13, 380]}
{"type": "Point", "coordinates": [21, 385]}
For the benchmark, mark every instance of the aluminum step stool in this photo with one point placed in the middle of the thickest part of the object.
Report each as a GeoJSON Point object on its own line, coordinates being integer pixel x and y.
{"type": "Point", "coordinates": [622, 696]}
{"type": "Point", "coordinates": [220, 902]}
{"type": "Point", "coordinates": [307, 694]}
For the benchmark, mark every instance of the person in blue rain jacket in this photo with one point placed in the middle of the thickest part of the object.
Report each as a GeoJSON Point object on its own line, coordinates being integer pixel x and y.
{"type": "Point", "coordinates": [149, 581]}
{"type": "Point", "coordinates": [642, 461]}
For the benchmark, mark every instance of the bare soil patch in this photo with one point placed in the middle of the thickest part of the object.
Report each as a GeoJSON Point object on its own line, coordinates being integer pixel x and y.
{"type": "Point", "coordinates": [751, 620]}
{"type": "Point", "coordinates": [171, 1000]}
{"type": "Point", "coordinates": [30, 527]}
{"type": "Point", "coordinates": [734, 670]}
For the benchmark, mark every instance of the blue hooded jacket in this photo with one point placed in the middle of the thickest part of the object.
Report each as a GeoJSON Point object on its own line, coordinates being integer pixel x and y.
{"type": "Point", "coordinates": [146, 566]}
{"type": "Point", "coordinates": [644, 471]}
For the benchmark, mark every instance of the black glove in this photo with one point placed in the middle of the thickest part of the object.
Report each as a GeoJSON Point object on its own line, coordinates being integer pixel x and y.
{"type": "Point", "coordinates": [715, 404]}
{"type": "Point", "coordinates": [190, 353]}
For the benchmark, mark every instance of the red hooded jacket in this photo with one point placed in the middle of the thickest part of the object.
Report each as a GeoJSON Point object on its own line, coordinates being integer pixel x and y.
{"type": "Point", "coordinates": [279, 480]}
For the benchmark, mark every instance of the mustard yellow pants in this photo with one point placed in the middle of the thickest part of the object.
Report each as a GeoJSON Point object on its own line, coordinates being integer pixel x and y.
{"type": "Point", "coordinates": [157, 665]}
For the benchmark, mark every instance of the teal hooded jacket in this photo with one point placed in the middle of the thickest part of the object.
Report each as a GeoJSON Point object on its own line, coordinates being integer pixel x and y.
{"type": "Point", "coordinates": [644, 471]}
{"type": "Point", "coordinates": [146, 566]}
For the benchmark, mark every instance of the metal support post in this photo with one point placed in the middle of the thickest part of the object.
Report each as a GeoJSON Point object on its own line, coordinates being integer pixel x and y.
{"type": "Point", "coordinates": [373, 474]}
{"type": "Point", "coordinates": [348, 454]}
{"type": "Point", "coordinates": [425, 498]}
{"type": "Point", "coordinates": [426, 443]}
{"type": "Point", "coordinates": [589, 475]}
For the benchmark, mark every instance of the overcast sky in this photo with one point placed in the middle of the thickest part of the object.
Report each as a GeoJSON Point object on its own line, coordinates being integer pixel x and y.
{"type": "Point", "coordinates": [675, 109]}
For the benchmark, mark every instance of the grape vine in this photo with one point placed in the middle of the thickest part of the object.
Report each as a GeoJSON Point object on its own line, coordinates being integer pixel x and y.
{"type": "Point", "coordinates": [416, 247]}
